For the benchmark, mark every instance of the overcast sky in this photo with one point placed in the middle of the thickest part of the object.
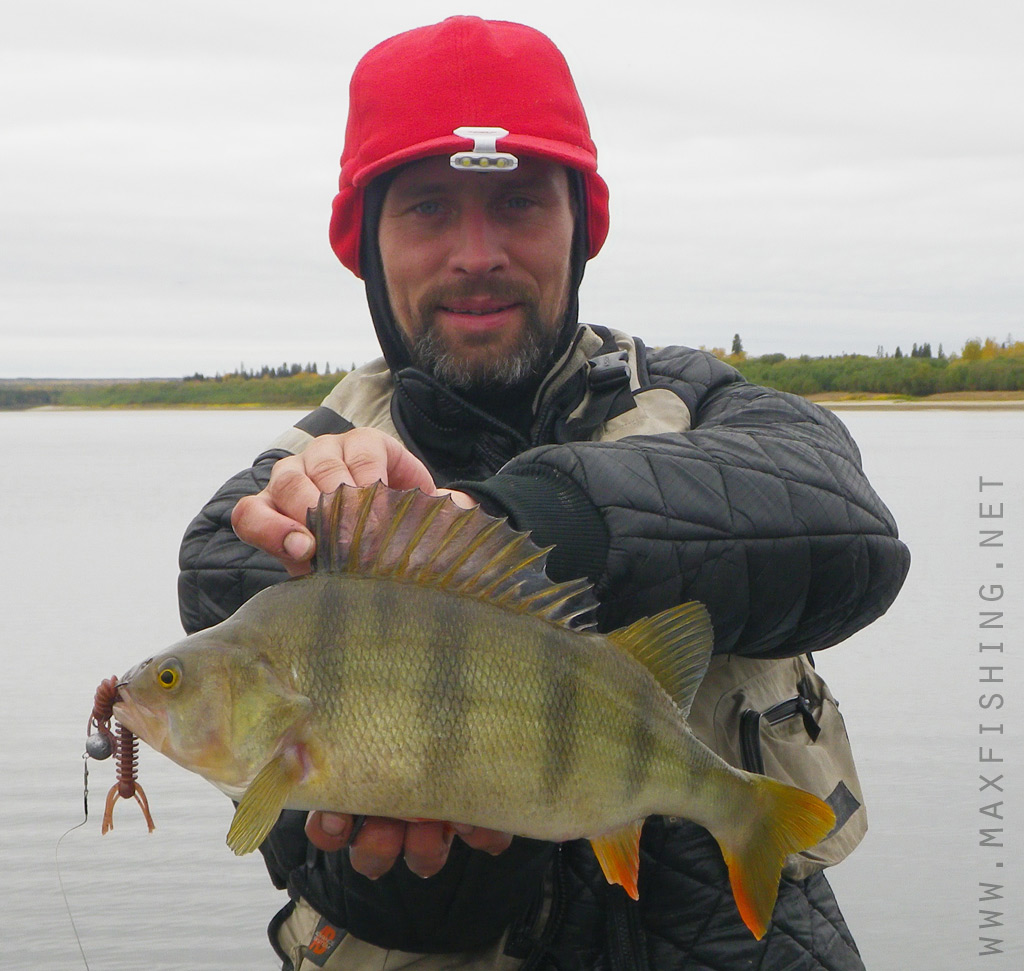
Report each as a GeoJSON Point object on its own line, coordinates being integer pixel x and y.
{"type": "Point", "coordinates": [820, 177]}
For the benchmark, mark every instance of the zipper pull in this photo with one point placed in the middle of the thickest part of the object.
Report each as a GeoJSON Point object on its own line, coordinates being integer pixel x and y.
{"type": "Point", "coordinates": [812, 728]}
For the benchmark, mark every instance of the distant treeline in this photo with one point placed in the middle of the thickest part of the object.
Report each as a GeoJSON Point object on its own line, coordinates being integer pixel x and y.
{"type": "Point", "coordinates": [15, 396]}
{"type": "Point", "coordinates": [980, 366]}
{"type": "Point", "coordinates": [281, 371]}
{"type": "Point", "coordinates": [287, 386]}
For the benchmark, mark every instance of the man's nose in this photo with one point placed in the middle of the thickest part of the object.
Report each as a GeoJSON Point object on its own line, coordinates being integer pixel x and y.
{"type": "Point", "coordinates": [479, 244]}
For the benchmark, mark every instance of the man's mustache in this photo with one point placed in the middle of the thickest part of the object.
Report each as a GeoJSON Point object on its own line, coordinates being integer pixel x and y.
{"type": "Point", "coordinates": [443, 295]}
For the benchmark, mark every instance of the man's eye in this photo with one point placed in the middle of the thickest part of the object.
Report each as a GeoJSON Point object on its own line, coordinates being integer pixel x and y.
{"type": "Point", "coordinates": [519, 202]}
{"type": "Point", "coordinates": [427, 208]}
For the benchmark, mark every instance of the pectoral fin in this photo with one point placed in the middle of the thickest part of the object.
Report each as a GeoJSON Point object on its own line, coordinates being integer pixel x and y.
{"type": "Point", "coordinates": [619, 855]}
{"type": "Point", "coordinates": [263, 801]}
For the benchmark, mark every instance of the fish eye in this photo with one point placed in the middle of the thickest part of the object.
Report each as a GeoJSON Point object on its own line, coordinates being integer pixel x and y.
{"type": "Point", "coordinates": [169, 675]}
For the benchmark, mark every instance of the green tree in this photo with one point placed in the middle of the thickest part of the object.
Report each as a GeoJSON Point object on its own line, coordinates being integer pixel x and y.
{"type": "Point", "coordinates": [971, 350]}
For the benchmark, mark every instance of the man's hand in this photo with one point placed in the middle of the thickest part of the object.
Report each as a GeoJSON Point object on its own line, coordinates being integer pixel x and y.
{"type": "Point", "coordinates": [274, 520]}
{"type": "Point", "coordinates": [380, 842]}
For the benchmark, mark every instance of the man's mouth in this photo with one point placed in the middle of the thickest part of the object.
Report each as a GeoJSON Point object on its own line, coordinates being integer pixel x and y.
{"type": "Point", "coordinates": [477, 310]}
{"type": "Point", "coordinates": [477, 318]}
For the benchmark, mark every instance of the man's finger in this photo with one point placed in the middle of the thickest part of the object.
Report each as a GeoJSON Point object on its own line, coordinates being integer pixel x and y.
{"type": "Point", "coordinates": [426, 847]}
{"type": "Point", "coordinates": [297, 481]}
{"type": "Point", "coordinates": [372, 456]}
{"type": "Point", "coordinates": [489, 840]}
{"type": "Point", "coordinates": [329, 831]}
{"type": "Point", "coordinates": [461, 499]}
{"type": "Point", "coordinates": [256, 522]}
{"type": "Point", "coordinates": [377, 846]}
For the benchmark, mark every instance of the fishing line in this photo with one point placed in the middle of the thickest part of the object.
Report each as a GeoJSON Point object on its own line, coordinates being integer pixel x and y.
{"type": "Point", "coordinates": [56, 855]}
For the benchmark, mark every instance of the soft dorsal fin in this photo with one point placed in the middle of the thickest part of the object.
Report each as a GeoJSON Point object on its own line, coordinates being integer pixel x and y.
{"type": "Point", "coordinates": [411, 537]}
{"type": "Point", "coordinates": [675, 646]}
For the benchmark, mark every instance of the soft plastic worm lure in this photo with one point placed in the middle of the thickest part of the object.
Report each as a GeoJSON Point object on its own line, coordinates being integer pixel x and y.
{"type": "Point", "coordinates": [101, 743]}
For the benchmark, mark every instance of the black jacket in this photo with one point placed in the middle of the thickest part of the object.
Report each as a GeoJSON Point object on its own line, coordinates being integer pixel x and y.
{"type": "Point", "coordinates": [755, 503]}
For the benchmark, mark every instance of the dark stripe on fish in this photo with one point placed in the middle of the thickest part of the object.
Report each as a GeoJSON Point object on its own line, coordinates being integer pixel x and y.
{"type": "Point", "coordinates": [560, 718]}
{"type": "Point", "coordinates": [642, 738]}
{"type": "Point", "coordinates": [330, 634]}
{"type": "Point", "coordinates": [444, 704]}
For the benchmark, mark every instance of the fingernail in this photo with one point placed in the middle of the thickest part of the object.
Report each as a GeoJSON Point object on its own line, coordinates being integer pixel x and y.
{"type": "Point", "coordinates": [375, 869]}
{"type": "Point", "coordinates": [422, 868]}
{"type": "Point", "coordinates": [298, 545]}
{"type": "Point", "coordinates": [332, 825]}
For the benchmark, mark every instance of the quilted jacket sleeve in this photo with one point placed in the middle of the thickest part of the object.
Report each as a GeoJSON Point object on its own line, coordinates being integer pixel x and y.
{"type": "Point", "coordinates": [218, 572]}
{"type": "Point", "coordinates": [760, 510]}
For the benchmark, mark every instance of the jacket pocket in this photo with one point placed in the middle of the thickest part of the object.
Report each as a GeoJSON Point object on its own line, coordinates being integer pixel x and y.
{"type": "Point", "coordinates": [779, 718]}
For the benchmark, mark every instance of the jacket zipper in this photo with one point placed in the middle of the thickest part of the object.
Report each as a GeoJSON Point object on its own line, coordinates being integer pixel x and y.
{"type": "Point", "coordinates": [627, 949]}
{"type": "Point", "coordinates": [543, 953]}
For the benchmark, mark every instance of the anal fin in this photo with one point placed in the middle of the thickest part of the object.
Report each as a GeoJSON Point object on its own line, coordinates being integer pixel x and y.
{"type": "Point", "coordinates": [261, 804]}
{"type": "Point", "coordinates": [618, 853]}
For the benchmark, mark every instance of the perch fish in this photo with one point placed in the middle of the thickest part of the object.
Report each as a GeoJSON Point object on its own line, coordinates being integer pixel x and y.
{"type": "Point", "coordinates": [429, 669]}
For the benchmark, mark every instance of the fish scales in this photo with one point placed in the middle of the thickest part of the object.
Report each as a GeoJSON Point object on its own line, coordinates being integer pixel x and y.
{"type": "Point", "coordinates": [538, 723]}
{"type": "Point", "coordinates": [554, 721]}
{"type": "Point", "coordinates": [429, 669]}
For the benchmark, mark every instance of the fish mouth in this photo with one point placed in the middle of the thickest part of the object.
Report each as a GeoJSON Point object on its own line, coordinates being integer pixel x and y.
{"type": "Point", "coordinates": [147, 724]}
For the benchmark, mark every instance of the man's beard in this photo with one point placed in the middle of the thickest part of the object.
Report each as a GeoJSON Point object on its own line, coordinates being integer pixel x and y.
{"type": "Point", "coordinates": [533, 350]}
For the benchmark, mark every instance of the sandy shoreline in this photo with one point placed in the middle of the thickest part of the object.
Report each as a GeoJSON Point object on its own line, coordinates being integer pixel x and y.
{"type": "Point", "coordinates": [950, 401]}
{"type": "Point", "coordinates": [954, 400]}
{"type": "Point", "coordinates": [833, 404]}
{"type": "Point", "coordinates": [924, 405]}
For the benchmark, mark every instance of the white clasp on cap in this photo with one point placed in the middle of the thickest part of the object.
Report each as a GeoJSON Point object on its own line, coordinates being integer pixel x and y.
{"type": "Point", "coordinates": [485, 156]}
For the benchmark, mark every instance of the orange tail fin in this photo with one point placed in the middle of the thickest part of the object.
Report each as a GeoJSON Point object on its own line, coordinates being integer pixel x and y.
{"type": "Point", "coordinates": [789, 820]}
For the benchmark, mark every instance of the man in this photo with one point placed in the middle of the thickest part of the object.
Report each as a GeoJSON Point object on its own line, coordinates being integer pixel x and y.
{"type": "Point", "coordinates": [469, 203]}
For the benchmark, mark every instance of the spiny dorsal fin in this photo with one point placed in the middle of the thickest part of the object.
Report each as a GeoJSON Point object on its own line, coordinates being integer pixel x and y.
{"type": "Point", "coordinates": [675, 646]}
{"type": "Point", "coordinates": [409, 536]}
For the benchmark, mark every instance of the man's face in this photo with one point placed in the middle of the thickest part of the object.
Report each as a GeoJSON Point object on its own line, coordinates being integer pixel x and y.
{"type": "Point", "coordinates": [477, 267]}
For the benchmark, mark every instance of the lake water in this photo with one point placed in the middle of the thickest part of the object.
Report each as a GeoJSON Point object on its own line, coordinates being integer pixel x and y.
{"type": "Point", "coordinates": [94, 505]}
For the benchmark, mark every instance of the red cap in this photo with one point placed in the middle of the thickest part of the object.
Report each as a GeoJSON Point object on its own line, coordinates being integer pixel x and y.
{"type": "Point", "coordinates": [410, 92]}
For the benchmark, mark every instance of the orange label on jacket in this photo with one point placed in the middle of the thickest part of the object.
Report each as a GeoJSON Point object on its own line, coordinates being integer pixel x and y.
{"type": "Point", "coordinates": [325, 939]}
